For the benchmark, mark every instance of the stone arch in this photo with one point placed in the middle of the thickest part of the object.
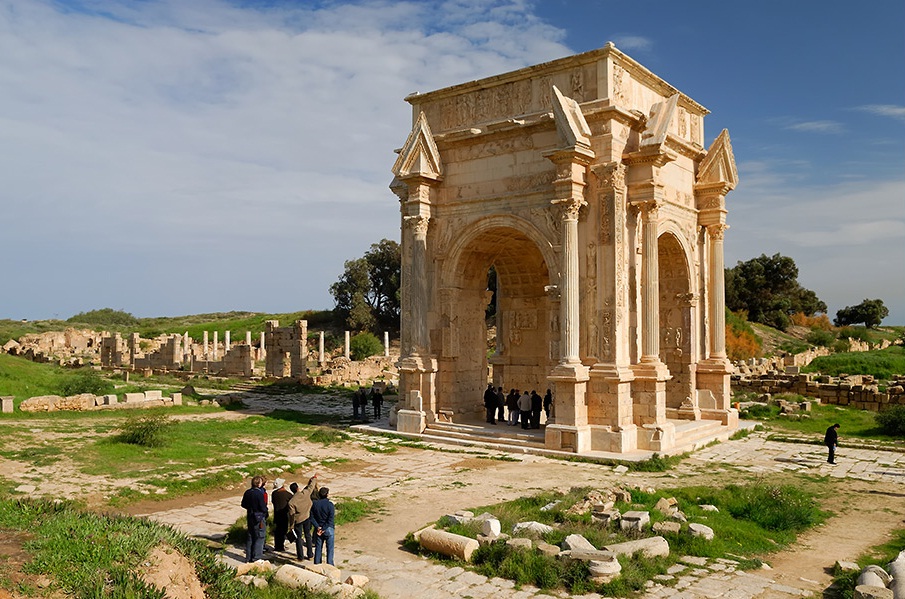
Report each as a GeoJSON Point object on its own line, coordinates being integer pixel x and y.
{"type": "Point", "coordinates": [525, 318]}
{"type": "Point", "coordinates": [676, 316]}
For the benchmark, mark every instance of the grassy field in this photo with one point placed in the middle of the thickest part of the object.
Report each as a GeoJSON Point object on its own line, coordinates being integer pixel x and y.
{"type": "Point", "coordinates": [881, 363]}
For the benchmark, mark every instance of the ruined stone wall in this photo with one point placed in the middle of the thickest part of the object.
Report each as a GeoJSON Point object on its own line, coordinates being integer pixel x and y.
{"type": "Point", "coordinates": [342, 371]}
{"type": "Point", "coordinates": [859, 391]}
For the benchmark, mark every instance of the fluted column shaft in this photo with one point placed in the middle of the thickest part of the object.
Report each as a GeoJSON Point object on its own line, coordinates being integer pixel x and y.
{"type": "Point", "coordinates": [569, 315]}
{"type": "Point", "coordinates": [650, 285]}
{"type": "Point", "coordinates": [717, 303]}
{"type": "Point", "coordinates": [417, 299]}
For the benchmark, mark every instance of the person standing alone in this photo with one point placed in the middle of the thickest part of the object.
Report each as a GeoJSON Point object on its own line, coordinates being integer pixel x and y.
{"type": "Point", "coordinates": [830, 440]}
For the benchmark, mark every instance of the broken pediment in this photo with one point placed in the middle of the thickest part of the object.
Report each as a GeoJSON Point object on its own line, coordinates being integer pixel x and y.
{"type": "Point", "coordinates": [661, 115]}
{"type": "Point", "coordinates": [419, 156]}
{"type": "Point", "coordinates": [570, 122]}
{"type": "Point", "coordinates": [718, 167]}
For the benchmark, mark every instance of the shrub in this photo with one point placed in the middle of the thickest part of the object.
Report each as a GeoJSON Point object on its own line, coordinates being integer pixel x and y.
{"type": "Point", "coordinates": [773, 507]}
{"type": "Point", "coordinates": [85, 381]}
{"type": "Point", "coordinates": [820, 321]}
{"type": "Point", "coordinates": [821, 337]}
{"type": "Point", "coordinates": [146, 431]}
{"type": "Point", "coordinates": [892, 421]}
{"type": "Point", "coordinates": [104, 317]}
{"type": "Point", "coordinates": [364, 345]}
{"type": "Point", "coordinates": [858, 333]}
{"type": "Point", "coordinates": [327, 436]}
{"type": "Point", "coordinates": [741, 341]}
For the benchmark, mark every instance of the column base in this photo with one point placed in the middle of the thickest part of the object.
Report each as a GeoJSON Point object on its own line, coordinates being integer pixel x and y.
{"type": "Point", "coordinates": [657, 437]}
{"type": "Point", "coordinates": [419, 373]}
{"type": "Point", "coordinates": [411, 421]}
{"type": "Point", "coordinates": [621, 440]}
{"type": "Point", "coordinates": [563, 437]}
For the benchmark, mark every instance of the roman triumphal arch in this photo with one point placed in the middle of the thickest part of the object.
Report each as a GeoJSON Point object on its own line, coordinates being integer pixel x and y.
{"type": "Point", "coordinates": [582, 185]}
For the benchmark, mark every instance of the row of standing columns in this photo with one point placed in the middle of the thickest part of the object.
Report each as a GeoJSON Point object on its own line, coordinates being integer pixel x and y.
{"type": "Point", "coordinates": [320, 350]}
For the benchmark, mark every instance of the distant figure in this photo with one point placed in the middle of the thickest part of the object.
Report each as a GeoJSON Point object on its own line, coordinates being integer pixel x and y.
{"type": "Point", "coordinates": [490, 404]}
{"type": "Point", "coordinates": [300, 518]}
{"type": "Point", "coordinates": [830, 440]}
{"type": "Point", "coordinates": [536, 405]}
{"type": "Point", "coordinates": [356, 403]}
{"type": "Point", "coordinates": [323, 513]}
{"type": "Point", "coordinates": [255, 503]}
{"type": "Point", "coordinates": [280, 500]}
{"type": "Point", "coordinates": [377, 402]}
{"type": "Point", "coordinates": [512, 406]}
{"type": "Point", "coordinates": [501, 404]}
{"type": "Point", "coordinates": [524, 408]}
{"type": "Point", "coordinates": [548, 403]}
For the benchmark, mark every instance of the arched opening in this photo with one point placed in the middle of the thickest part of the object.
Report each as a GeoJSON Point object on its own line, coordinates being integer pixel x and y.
{"type": "Point", "coordinates": [675, 321]}
{"type": "Point", "coordinates": [519, 354]}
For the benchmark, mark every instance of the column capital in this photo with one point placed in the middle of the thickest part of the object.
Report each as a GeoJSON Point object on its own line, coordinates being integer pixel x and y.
{"type": "Point", "coordinates": [610, 174]}
{"type": "Point", "coordinates": [418, 224]}
{"type": "Point", "coordinates": [717, 231]}
{"type": "Point", "coordinates": [649, 209]}
{"type": "Point", "coordinates": [570, 207]}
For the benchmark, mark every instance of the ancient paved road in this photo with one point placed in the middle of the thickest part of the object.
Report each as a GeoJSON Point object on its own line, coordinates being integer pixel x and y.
{"type": "Point", "coordinates": [396, 574]}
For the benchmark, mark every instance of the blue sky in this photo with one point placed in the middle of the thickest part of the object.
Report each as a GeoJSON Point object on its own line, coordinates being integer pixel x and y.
{"type": "Point", "coordinates": [187, 156]}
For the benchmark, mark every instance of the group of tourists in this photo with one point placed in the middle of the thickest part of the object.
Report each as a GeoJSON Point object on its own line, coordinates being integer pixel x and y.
{"type": "Point", "coordinates": [523, 407]}
{"type": "Point", "coordinates": [301, 515]}
{"type": "Point", "coordinates": [360, 400]}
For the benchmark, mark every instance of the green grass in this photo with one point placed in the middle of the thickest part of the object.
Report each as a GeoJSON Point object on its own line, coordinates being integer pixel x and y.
{"type": "Point", "coordinates": [753, 520]}
{"type": "Point", "coordinates": [860, 424]}
{"type": "Point", "coordinates": [94, 556]}
{"type": "Point", "coordinates": [881, 363]}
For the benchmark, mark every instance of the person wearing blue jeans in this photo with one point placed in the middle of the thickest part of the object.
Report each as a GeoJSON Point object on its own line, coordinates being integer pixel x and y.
{"type": "Point", "coordinates": [322, 517]}
{"type": "Point", "coordinates": [255, 503]}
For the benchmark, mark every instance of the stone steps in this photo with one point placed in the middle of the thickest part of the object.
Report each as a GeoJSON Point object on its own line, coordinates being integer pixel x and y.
{"type": "Point", "coordinates": [468, 433]}
{"type": "Point", "coordinates": [694, 434]}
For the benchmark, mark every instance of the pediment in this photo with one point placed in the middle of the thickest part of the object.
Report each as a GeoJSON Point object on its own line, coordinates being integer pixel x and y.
{"type": "Point", "coordinates": [661, 115]}
{"type": "Point", "coordinates": [419, 156]}
{"type": "Point", "coordinates": [570, 122]}
{"type": "Point", "coordinates": [719, 164]}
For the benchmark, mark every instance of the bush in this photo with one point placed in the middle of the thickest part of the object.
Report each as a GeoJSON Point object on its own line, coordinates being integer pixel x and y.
{"type": "Point", "coordinates": [85, 381]}
{"type": "Point", "coordinates": [821, 337]}
{"type": "Point", "coordinates": [104, 317]}
{"type": "Point", "coordinates": [741, 341]}
{"type": "Point", "coordinates": [892, 421]}
{"type": "Point", "coordinates": [146, 431]}
{"type": "Point", "coordinates": [773, 507]}
{"type": "Point", "coordinates": [364, 345]}
{"type": "Point", "coordinates": [859, 333]}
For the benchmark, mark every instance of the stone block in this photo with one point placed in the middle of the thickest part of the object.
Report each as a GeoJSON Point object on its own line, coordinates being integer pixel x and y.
{"type": "Point", "coordinates": [531, 528]}
{"type": "Point", "coordinates": [877, 571]}
{"type": "Point", "coordinates": [491, 527]}
{"type": "Point", "coordinates": [331, 572]}
{"type": "Point", "coordinates": [667, 528]}
{"type": "Point", "coordinates": [699, 530]}
{"type": "Point", "coordinates": [519, 543]}
{"type": "Point", "coordinates": [460, 517]}
{"type": "Point", "coordinates": [708, 508]}
{"type": "Point", "coordinates": [547, 548]}
{"type": "Point", "coordinates": [157, 394]}
{"type": "Point", "coordinates": [177, 399]}
{"type": "Point", "coordinates": [134, 397]}
{"type": "Point", "coordinates": [110, 400]}
{"type": "Point", "coordinates": [262, 566]}
{"type": "Point", "coordinates": [650, 547]}
{"type": "Point", "coordinates": [296, 578]}
{"type": "Point", "coordinates": [604, 571]}
{"type": "Point", "coordinates": [447, 543]}
{"type": "Point", "coordinates": [863, 591]}
{"type": "Point", "coordinates": [666, 506]}
{"type": "Point", "coordinates": [8, 405]}
{"type": "Point", "coordinates": [346, 591]}
{"type": "Point", "coordinates": [634, 520]}
{"type": "Point", "coordinates": [357, 580]}
{"type": "Point", "coordinates": [606, 517]}
{"type": "Point", "coordinates": [847, 566]}
{"type": "Point", "coordinates": [577, 543]}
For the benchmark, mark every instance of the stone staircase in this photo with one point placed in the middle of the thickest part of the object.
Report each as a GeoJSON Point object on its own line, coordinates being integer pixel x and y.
{"type": "Point", "coordinates": [695, 434]}
{"type": "Point", "coordinates": [507, 438]}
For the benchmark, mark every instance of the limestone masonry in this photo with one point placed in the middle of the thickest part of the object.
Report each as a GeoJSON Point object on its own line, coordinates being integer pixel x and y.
{"type": "Point", "coordinates": [584, 183]}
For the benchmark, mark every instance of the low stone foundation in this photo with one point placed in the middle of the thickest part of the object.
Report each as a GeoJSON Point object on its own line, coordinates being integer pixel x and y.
{"type": "Point", "coordinates": [858, 391]}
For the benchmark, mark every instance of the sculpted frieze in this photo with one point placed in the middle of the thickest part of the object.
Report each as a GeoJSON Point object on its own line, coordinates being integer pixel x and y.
{"type": "Point", "coordinates": [490, 148]}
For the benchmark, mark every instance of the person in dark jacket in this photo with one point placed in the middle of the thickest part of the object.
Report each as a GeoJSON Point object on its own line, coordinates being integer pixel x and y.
{"type": "Point", "coordinates": [548, 403]}
{"type": "Point", "coordinates": [512, 405]}
{"type": "Point", "coordinates": [490, 404]}
{"type": "Point", "coordinates": [536, 404]}
{"type": "Point", "coordinates": [280, 500]}
{"type": "Point", "coordinates": [255, 503]}
{"type": "Point", "coordinates": [830, 440]}
{"type": "Point", "coordinates": [323, 513]}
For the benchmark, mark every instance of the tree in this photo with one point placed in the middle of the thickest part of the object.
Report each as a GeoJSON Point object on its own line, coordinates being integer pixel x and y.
{"type": "Point", "coordinates": [871, 312]}
{"type": "Point", "coordinates": [767, 289]}
{"type": "Point", "coordinates": [367, 293]}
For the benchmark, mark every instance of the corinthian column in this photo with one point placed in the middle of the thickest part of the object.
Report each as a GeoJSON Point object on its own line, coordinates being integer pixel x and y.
{"type": "Point", "coordinates": [417, 300]}
{"type": "Point", "coordinates": [569, 316]}
{"type": "Point", "coordinates": [717, 296]}
{"type": "Point", "coordinates": [650, 284]}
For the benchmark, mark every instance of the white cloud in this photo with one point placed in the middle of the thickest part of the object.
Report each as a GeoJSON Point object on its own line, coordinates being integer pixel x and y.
{"type": "Point", "coordinates": [227, 138]}
{"type": "Point", "coordinates": [630, 43]}
{"type": "Point", "coordinates": [890, 110]}
{"type": "Point", "coordinates": [817, 127]}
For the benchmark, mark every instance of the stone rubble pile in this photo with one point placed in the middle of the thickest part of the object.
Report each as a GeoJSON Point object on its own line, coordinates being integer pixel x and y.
{"type": "Point", "coordinates": [875, 582]}
{"type": "Point", "coordinates": [314, 577]}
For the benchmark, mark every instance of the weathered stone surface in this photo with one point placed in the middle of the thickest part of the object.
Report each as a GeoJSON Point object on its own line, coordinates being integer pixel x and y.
{"type": "Point", "coordinates": [417, 534]}
{"type": "Point", "coordinates": [357, 580]}
{"type": "Point", "coordinates": [460, 517]}
{"type": "Point", "coordinates": [603, 571]}
{"type": "Point", "coordinates": [847, 566]}
{"type": "Point", "coordinates": [296, 578]}
{"type": "Point", "coordinates": [623, 496]}
{"type": "Point", "coordinates": [134, 397]}
{"type": "Point", "coordinates": [586, 556]}
{"type": "Point", "coordinates": [667, 527]}
{"type": "Point", "coordinates": [531, 527]}
{"type": "Point", "coordinates": [606, 517]}
{"type": "Point", "coordinates": [491, 527]}
{"type": "Point", "coordinates": [699, 530]}
{"type": "Point", "coordinates": [882, 574]}
{"type": "Point", "coordinates": [262, 566]}
{"type": "Point", "coordinates": [7, 403]}
{"type": "Point", "coordinates": [520, 542]}
{"type": "Point", "coordinates": [863, 591]}
{"type": "Point", "coordinates": [871, 578]}
{"type": "Point", "coordinates": [709, 508]}
{"type": "Point", "coordinates": [620, 469]}
{"type": "Point", "coordinates": [650, 547]}
{"type": "Point", "coordinates": [547, 548]}
{"type": "Point", "coordinates": [577, 543]}
{"type": "Point", "coordinates": [447, 543]}
{"type": "Point", "coordinates": [345, 591]}
{"type": "Point", "coordinates": [634, 520]}
{"type": "Point", "coordinates": [40, 403]}
{"type": "Point", "coordinates": [897, 569]}
{"type": "Point", "coordinates": [327, 570]}
{"type": "Point", "coordinates": [666, 506]}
